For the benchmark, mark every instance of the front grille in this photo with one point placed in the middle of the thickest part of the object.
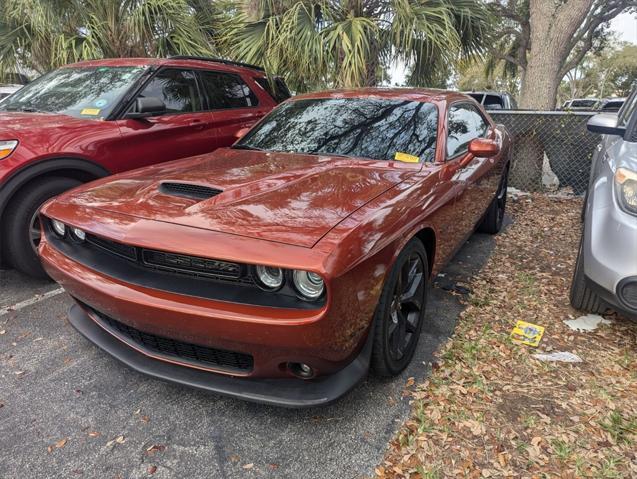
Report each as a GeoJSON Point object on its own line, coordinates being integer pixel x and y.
{"type": "Point", "coordinates": [187, 190]}
{"type": "Point", "coordinates": [119, 249]}
{"type": "Point", "coordinates": [192, 264]}
{"type": "Point", "coordinates": [179, 350]}
{"type": "Point", "coordinates": [628, 293]}
{"type": "Point", "coordinates": [176, 263]}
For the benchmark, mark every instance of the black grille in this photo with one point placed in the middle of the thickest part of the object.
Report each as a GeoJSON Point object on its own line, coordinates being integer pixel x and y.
{"type": "Point", "coordinates": [176, 263]}
{"type": "Point", "coordinates": [129, 252]}
{"type": "Point", "coordinates": [171, 348]}
{"type": "Point", "coordinates": [186, 190]}
{"type": "Point", "coordinates": [192, 264]}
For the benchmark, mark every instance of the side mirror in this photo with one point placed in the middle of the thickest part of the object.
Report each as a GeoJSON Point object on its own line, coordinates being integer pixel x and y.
{"type": "Point", "coordinates": [147, 106]}
{"type": "Point", "coordinates": [241, 133]}
{"type": "Point", "coordinates": [484, 147]}
{"type": "Point", "coordinates": [606, 124]}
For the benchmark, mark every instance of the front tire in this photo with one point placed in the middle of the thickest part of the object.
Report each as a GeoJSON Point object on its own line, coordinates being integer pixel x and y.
{"type": "Point", "coordinates": [22, 230]}
{"type": "Point", "coordinates": [400, 312]}
{"type": "Point", "coordinates": [494, 217]}
{"type": "Point", "coordinates": [582, 297]}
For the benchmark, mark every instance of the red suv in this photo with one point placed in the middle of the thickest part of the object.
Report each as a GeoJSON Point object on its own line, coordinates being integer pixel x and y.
{"type": "Point", "coordinates": [92, 119]}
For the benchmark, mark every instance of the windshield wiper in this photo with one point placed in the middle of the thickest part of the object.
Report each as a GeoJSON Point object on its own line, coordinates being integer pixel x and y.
{"type": "Point", "coordinates": [25, 110]}
{"type": "Point", "coordinates": [246, 147]}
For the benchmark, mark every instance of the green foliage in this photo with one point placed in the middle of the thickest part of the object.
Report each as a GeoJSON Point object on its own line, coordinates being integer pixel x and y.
{"type": "Point", "coordinates": [41, 35]}
{"type": "Point", "coordinates": [350, 43]}
{"type": "Point", "coordinates": [609, 72]}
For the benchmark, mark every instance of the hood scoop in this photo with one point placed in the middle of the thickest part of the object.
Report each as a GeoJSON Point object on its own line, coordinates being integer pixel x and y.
{"type": "Point", "coordinates": [189, 190]}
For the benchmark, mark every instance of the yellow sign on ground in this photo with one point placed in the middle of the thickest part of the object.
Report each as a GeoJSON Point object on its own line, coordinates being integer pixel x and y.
{"type": "Point", "coordinates": [406, 157]}
{"type": "Point", "coordinates": [527, 333]}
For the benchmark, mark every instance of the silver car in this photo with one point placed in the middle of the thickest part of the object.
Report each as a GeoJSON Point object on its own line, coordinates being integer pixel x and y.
{"type": "Point", "coordinates": [605, 274]}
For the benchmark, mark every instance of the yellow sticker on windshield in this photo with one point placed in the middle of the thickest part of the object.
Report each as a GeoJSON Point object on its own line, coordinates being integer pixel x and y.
{"type": "Point", "coordinates": [90, 111]}
{"type": "Point", "coordinates": [406, 157]}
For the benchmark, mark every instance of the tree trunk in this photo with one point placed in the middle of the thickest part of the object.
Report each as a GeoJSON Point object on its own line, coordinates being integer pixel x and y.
{"type": "Point", "coordinates": [552, 25]}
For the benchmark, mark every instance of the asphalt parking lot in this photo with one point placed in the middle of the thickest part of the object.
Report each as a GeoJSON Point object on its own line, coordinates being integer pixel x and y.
{"type": "Point", "coordinates": [69, 410]}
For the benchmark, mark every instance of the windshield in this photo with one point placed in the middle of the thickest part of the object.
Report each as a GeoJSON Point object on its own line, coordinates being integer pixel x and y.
{"type": "Point", "coordinates": [356, 127]}
{"type": "Point", "coordinates": [80, 92]}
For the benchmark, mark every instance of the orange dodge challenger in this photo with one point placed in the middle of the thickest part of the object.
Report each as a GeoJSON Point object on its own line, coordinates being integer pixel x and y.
{"type": "Point", "coordinates": [282, 269]}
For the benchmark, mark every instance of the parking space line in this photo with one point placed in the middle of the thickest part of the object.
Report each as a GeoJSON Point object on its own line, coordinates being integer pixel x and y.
{"type": "Point", "coordinates": [28, 302]}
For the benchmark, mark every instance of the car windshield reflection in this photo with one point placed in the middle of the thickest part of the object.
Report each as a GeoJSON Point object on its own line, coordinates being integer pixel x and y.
{"type": "Point", "coordinates": [351, 127]}
{"type": "Point", "coordinates": [79, 92]}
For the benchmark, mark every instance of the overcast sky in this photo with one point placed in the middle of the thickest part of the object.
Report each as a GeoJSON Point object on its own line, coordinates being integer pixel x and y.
{"type": "Point", "coordinates": [626, 27]}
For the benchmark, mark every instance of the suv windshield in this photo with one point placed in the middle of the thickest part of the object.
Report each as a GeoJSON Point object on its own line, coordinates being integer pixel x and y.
{"type": "Point", "coordinates": [81, 92]}
{"type": "Point", "coordinates": [355, 127]}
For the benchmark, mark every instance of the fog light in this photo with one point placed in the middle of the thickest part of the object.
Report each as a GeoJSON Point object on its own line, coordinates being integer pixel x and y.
{"type": "Point", "coordinates": [628, 293]}
{"type": "Point", "coordinates": [301, 370]}
{"type": "Point", "coordinates": [78, 234]}
{"type": "Point", "coordinates": [59, 228]}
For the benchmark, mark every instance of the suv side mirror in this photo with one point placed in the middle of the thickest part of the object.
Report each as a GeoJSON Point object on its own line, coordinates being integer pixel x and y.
{"type": "Point", "coordinates": [241, 133]}
{"type": "Point", "coordinates": [147, 106]}
{"type": "Point", "coordinates": [606, 124]}
{"type": "Point", "coordinates": [483, 147]}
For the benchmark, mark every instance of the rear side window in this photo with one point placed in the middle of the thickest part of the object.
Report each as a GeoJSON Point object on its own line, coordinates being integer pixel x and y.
{"type": "Point", "coordinates": [464, 124]}
{"type": "Point", "coordinates": [477, 96]}
{"type": "Point", "coordinates": [493, 102]}
{"type": "Point", "coordinates": [277, 89]}
{"type": "Point", "coordinates": [177, 89]}
{"type": "Point", "coordinates": [226, 90]}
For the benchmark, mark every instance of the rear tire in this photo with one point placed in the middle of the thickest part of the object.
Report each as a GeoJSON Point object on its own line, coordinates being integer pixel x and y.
{"type": "Point", "coordinates": [400, 312]}
{"type": "Point", "coordinates": [582, 297]}
{"type": "Point", "coordinates": [493, 218]}
{"type": "Point", "coordinates": [21, 227]}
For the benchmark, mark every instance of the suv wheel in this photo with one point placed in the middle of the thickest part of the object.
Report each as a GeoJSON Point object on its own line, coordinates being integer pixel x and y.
{"type": "Point", "coordinates": [22, 230]}
{"type": "Point", "coordinates": [582, 297]}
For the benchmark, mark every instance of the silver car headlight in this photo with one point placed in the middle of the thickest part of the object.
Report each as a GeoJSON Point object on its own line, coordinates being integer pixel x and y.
{"type": "Point", "coordinates": [626, 188]}
{"type": "Point", "coordinates": [7, 147]}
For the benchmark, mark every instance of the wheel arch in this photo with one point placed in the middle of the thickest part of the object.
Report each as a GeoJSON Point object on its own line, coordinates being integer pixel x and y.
{"type": "Point", "coordinates": [77, 168]}
{"type": "Point", "coordinates": [427, 237]}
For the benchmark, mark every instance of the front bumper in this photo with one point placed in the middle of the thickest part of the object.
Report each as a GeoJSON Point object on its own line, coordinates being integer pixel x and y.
{"type": "Point", "coordinates": [609, 245]}
{"type": "Point", "coordinates": [286, 392]}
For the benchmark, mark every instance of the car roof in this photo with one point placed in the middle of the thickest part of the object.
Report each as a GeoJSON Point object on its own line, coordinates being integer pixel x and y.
{"type": "Point", "coordinates": [184, 62]}
{"type": "Point", "coordinates": [486, 92]}
{"type": "Point", "coordinates": [408, 94]}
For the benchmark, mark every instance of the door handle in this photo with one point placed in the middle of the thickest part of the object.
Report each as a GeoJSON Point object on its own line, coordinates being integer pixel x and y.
{"type": "Point", "coordinates": [198, 124]}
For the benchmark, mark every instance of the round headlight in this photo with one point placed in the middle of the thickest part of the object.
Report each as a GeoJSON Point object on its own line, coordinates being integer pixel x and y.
{"type": "Point", "coordinates": [58, 227]}
{"type": "Point", "coordinates": [309, 284]}
{"type": "Point", "coordinates": [270, 277]}
{"type": "Point", "coordinates": [78, 234]}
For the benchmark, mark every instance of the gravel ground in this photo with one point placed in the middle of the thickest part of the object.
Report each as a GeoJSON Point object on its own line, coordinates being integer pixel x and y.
{"type": "Point", "coordinates": [69, 410]}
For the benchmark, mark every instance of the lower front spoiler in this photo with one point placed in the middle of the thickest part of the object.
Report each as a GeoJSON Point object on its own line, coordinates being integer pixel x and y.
{"type": "Point", "coordinates": [286, 392]}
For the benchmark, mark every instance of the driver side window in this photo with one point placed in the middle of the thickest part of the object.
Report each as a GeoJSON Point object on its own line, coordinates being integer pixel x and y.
{"type": "Point", "coordinates": [464, 124]}
{"type": "Point", "coordinates": [177, 89]}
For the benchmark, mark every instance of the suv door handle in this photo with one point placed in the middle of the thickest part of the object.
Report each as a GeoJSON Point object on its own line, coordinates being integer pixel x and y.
{"type": "Point", "coordinates": [198, 124]}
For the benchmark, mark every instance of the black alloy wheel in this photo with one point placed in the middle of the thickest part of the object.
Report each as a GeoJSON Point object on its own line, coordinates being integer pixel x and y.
{"type": "Point", "coordinates": [400, 313]}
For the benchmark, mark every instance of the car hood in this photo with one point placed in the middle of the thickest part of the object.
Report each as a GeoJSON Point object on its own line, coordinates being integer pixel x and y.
{"type": "Point", "coordinates": [283, 197]}
{"type": "Point", "coordinates": [21, 124]}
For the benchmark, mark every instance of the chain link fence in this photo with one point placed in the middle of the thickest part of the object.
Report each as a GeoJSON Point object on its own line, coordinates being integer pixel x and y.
{"type": "Point", "coordinates": [552, 150]}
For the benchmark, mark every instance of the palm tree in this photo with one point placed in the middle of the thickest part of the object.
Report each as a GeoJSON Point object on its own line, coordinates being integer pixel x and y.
{"type": "Point", "coordinates": [42, 34]}
{"type": "Point", "coordinates": [350, 43]}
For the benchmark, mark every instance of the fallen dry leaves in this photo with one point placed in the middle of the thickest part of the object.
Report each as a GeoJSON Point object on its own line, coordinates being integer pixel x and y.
{"type": "Point", "coordinates": [491, 410]}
